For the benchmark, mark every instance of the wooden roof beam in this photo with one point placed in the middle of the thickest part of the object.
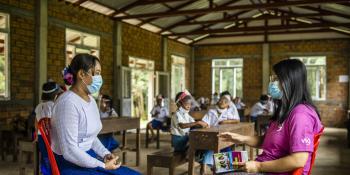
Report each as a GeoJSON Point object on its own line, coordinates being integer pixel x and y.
{"type": "Point", "coordinates": [229, 8]}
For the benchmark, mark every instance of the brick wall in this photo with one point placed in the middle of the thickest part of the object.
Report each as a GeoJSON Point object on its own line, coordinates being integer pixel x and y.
{"type": "Point", "coordinates": [65, 15]}
{"type": "Point", "coordinates": [333, 110]}
{"type": "Point", "coordinates": [140, 43]}
{"type": "Point", "coordinates": [251, 54]}
{"type": "Point", "coordinates": [22, 60]}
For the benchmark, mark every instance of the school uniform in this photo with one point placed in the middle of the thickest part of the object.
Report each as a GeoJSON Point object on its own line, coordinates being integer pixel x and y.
{"type": "Point", "coordinates": [257, 110]}
{"type": "Point", "coordinates": [213, 118]}
{"type": "Point", "coordinates": [108, 140]}
{"type": "Point", "coordinates": [160, 118]}
{"type": "Point", "coordinates": [233, 110]}
{"type": "Point", "coordinates": [75, 125]}
{"type": "Point", "coordinates": [179, 136]}
{"type": "Point", "coordinates": [43, 110]}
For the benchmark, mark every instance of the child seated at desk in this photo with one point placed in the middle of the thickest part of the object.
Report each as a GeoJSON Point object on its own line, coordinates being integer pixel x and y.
{"type": "Point", "coordinates": [181, 122]}
{"type": "Point", "coordinates": [159, 114]}
{"type": "Point", "coordinates": [214, 118]}
{"type": "Point", "coordinates": [107, 111]}
{"type": "Point", "coordinates": [259, 108]}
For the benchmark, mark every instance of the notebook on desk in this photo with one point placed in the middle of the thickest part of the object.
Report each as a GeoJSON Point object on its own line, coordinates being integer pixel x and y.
{"type": "Point", "coordinates": [227, 161]}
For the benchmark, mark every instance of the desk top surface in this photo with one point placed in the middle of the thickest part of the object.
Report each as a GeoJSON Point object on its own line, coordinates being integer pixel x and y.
{"type": "Point", "coordinates": [224, 127]}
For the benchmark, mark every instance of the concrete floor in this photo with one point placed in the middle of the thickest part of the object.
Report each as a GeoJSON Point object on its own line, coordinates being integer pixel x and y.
{"type": "Point", "coordinates": [333, 157]}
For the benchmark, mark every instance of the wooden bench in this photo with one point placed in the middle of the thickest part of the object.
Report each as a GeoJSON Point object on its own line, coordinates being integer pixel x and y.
{"type": "Point", "coordinates": [29, 148]}
{"type": "Point", "coordinates": [165, 159]}
{"type": "Point", "coordinates": [167, 129]}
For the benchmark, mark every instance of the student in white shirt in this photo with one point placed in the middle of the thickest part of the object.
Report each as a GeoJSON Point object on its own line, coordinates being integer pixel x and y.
{"type": "Point", "coordinates": [159, 113]}
{"type": "Point", "coordinates": [238, 102]}
{"type": "Point", "coordinates": [215, 117]}
{"type": "Point", "coordinates": [76, 123]}
{"type": "Point", "coordinates": [259, 108]}
{"type": "Point", "coordinates": [107, 111]}
{"type": "Point", "coordinates": [215, 98]}
{"type": "Point", "coordinates": [50, 92]}
{"type": "Point", "coordinates": [232, 107]}
{"type": "Point", "coordinates": [181, 122]}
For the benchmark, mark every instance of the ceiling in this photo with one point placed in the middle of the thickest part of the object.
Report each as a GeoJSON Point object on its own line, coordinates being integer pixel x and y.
{"type": "Point", "coordinates": [203, 22]}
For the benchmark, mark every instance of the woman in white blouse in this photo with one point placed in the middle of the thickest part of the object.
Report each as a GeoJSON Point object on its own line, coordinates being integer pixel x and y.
{"type": "Point", "coordinates": [76, 123]}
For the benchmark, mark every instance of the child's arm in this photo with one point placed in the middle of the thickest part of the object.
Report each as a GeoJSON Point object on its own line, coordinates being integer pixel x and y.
{"type": "Point", "coordinates": [230, 121]}
{"type": "Point", "coordinates": [187, 125]}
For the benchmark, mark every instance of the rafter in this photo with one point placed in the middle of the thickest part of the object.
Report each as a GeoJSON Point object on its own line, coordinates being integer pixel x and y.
{"type": "Point", "coordinates": [170, 11]}
{"type": "Point", "coordinates": [194, 17]}
{"type": "Point", "coordinates": [262, 28]}
{"type": "Point", "coordinates": [229, 8]}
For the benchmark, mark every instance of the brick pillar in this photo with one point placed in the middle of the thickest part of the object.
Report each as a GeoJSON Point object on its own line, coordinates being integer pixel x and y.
{"type": "Point", "coordinates": [41, 47]}
{"type": "Point", "coordinates": [265, 66]}
{"type": "Point", "coordinates": [117, 62]}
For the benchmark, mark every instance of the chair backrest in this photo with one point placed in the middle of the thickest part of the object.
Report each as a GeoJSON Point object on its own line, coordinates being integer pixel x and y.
{"type": "Point", "coordinates": [44, 128]}
{"type": "Point", "coordinates": [299, 171]}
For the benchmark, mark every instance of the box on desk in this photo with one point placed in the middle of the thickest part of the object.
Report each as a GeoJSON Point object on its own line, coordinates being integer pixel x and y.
{"type": "Point", "coordinates": [224, 162]}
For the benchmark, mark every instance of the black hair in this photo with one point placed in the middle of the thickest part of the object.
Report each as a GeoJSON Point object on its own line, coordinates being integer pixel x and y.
{"type": "Point", "coordinates": [83, 62]}
{"type": "Point", "coordinates": [264, 97]}
{"type": "Point", "coordinates": [225, 93]}
{"type": "Point", "coordinates": [292, 76]}
{"type": "Point", "coordinates": [50, 91]}
{"type": "Point", "coordinates": [110, 102]}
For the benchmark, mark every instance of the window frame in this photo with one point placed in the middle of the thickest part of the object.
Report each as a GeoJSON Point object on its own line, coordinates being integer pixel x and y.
{"type": "Point", "coordinates": [81, 45]}
{"type": "Point", "coordinates": [227, 66]}
{"type": "Point", "coordinates": [7, 55]}
{"type": "Point", "coordinates": [317, 77]}
{"type": "Point", "coordinates": [177, 62]}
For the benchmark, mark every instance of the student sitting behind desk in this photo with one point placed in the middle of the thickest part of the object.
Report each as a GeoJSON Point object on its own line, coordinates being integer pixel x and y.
{"type": "Point", "coordinates": [215, 117]}
{"type": "Point", "coordinates": [107, 111]}
{"type": "Point", "coordinates": [181, 122]}
{"type": "Point", "coordinates": [159, 114]}
{"type": "Point", "coordinates": [259, 108]}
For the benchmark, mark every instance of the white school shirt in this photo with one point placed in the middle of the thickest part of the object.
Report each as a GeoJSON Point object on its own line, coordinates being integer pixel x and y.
{"type": "Point", "coordinates": [75, 124]}
{"type": "Point", "coordinates": [257, 109]}
{"type": "Point", "coordinates": [213, 118]}
{"type": "Point", "coordinates": [180, 117]}
{"type": "Point", "coordinates": [106, 114]}
{"type": "Point", "coordinates": [42, 110]}
{"type": "Point", "coordinates": [233, 110]}
{"type": "Point", "coordinates": [163, 113]}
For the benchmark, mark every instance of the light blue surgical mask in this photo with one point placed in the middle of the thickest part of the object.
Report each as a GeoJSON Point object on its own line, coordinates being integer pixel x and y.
{"type": "Point", "coordinates": [274, 90]}
{"type": "Point", "coordinates": [96, 84]}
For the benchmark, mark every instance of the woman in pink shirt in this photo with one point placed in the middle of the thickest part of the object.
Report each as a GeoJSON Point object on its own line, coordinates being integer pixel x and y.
{"type": "Point", "coordinates": [288, 142]}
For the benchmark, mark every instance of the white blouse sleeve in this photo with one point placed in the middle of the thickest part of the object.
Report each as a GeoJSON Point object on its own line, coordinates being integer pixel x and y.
{"type": "Point", "coordinates": [67, 124]}
{"type": "Point", "coordinates": [99, 149]}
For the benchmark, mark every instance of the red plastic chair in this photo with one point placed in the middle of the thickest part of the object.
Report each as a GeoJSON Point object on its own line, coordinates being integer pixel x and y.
{"type": "Point", "coordinates": [300, 171]}
{"type": "Point", "coordinates": [44, 128]}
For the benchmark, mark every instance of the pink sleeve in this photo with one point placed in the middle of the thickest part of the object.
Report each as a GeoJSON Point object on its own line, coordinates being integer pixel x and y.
{"type": "Point", "coordinates": [301, 135]}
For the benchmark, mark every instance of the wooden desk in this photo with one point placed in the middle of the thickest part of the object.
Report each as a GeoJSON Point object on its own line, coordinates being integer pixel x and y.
{"type": "Point", "coordinates": [111, 125]}
{"type": "Point", "coordinates": [207, 139]}
{"type": "Point", "coordinates": [198, 115]}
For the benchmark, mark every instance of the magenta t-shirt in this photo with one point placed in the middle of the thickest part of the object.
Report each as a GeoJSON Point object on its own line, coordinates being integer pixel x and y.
{"type": "Point", "coordinates": [296, 134]}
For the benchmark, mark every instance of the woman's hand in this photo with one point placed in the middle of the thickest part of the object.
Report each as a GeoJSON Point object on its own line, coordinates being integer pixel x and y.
{"type": "Point", "coordinates": [113, 164]}
{"type": "Point", "coordinates": [232, 137]}
{"type": "Point", "coordinates": [109, 157]}
{"type": "Point", "coordinates": [251, 167]}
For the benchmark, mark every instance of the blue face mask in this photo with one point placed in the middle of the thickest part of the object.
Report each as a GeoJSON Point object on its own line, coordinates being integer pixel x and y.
{"type": "Point", "coordinates": [274, 90]}
{"type": "Point", "coordinates": [96, 84]}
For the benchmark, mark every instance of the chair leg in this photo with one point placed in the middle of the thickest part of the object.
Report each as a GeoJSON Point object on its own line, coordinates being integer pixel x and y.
{"type": "Point", "coordinates": [171, 170]}
{"type": "Point", "coordinates": [22, 168]}
{"type": "Point", "coordinates": [147, 136]}
{"type": "Point", "coordinates": [149, 168]}
{"type": "Point", "coordinates": [158, 139]}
